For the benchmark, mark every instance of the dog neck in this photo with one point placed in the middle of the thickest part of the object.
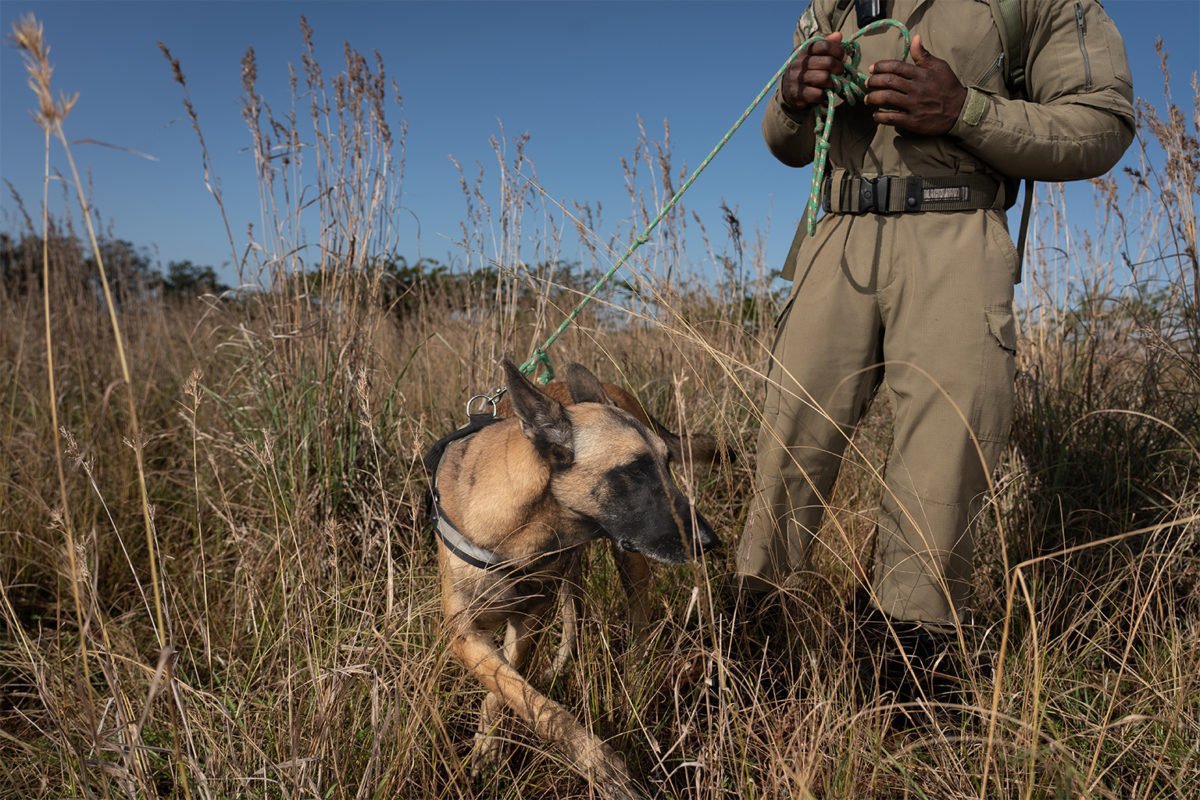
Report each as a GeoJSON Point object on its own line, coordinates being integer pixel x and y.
{"type": "Point", "coordinates": [496, 489]}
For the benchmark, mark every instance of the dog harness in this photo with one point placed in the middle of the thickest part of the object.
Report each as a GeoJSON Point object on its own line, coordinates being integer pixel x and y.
{"type": "Point", "coordinates": [460, 545]}
{"type": "Point", "coordinates": [456, 542]}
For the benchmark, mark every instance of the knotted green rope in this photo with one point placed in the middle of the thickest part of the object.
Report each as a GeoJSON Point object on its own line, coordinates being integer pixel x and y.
{"type": "Point", "coordinates": [851, 86]}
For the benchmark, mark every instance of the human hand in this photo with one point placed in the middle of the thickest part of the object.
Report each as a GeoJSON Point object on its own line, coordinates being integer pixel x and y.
{"type": "Point", "coordinates": [923, 97]}
{"type": "Point", "coordinates": [811, 74]}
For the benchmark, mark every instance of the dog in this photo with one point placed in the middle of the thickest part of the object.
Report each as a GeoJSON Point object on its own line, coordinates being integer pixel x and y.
{"type": "Point", "coordinates": [516, 499]}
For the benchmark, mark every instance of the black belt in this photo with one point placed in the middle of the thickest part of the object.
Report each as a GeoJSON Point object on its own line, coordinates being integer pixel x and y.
{"type": "Point", "coordinates": [893, 194]}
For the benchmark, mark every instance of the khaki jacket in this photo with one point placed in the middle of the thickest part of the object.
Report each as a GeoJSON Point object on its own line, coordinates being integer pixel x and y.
{"type": "Point", "coordinates": [1077, 122]}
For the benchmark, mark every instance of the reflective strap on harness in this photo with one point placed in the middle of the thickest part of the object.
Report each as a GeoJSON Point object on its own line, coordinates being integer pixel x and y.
{"type": "Point", "coordinates": [480, 557]}
{"type": "Point", "coordinates": [460, 545]}
{"type": "Point", "coordinates": [455, 542]}
{"type": "Point", "coordinates": [893, 194]}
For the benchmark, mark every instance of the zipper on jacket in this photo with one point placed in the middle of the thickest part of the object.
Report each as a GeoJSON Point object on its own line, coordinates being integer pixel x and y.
{"type": "Point", "coordinates": [992, 70]}
{"type": "Point", "coordinates": [1081, 29]}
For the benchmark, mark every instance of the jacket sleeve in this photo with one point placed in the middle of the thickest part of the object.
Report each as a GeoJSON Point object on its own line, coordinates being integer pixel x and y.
{"type": "Point", "coordinates": [791, 135]}
{"type": "Point", "coordinates": [1079, 118]}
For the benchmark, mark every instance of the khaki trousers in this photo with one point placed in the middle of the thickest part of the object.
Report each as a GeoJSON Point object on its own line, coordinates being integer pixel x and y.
{"type": "Point", "coordinates": [921, 303]}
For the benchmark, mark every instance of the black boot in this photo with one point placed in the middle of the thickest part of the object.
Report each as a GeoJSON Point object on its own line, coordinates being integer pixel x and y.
{"type": "Point", "coordinates": [751, 608]}
{"type": "Point", "coordinates": [908, 659]}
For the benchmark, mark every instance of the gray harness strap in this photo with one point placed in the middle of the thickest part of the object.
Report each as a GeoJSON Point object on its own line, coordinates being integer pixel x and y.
{"type": "Point", "coordinates": [460, 545]}
{"type": "Point", "coordinates": [480, 557]}
{"type": "Point", "coordinates": [456, 542]}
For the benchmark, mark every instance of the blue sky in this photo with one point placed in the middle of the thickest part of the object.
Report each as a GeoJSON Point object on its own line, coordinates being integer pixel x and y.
{"type": "Point", "coordinates": [575, 75]}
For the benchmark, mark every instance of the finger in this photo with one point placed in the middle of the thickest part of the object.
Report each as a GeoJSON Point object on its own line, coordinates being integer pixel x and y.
{"type": "Point", "coordinates": [897, 119]}
{"type": "Point", "coordinates": [817, 77]}
{"type": "Point", "coordinates": [824, 63]}
{"type": "Point", "coordinates": [826, 48]}
{"type": "Point", "coordinates": [889, 99]}
{"type": "Point", "coordinates": [888, 80]}
{"type": "Point", "coordinates": [918, 49]}
{"type": "Point", "coordinates": [822, 47]}
{"type": "Point", "coordinates": [893, 67]}
{"type": "Point", "coordinates": [812, 95]}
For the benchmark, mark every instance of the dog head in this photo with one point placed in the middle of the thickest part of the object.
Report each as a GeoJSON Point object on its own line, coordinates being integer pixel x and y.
{"type": "Point", "coordinates": [608, 469]}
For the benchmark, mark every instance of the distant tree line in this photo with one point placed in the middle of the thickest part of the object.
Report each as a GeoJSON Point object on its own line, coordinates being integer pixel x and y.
{"type": "Point", "coordinates": [130, 270]}
{"type": "Point", "coordinates": [390, 282]}
{"type": "Point", "coordinates": [401, 286]}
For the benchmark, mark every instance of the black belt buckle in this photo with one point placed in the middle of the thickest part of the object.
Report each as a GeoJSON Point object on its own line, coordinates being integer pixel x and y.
{"type": "Point", "coordinates": [873, 194]}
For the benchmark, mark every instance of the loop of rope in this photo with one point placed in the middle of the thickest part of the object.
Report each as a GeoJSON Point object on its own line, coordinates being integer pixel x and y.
{"type": "Point", "coordinates": [539, 357]}
{"type": "Point", "coordinates": [850, 86]}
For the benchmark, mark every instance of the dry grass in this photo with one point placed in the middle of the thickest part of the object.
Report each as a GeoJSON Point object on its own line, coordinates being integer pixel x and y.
{"type": "Point", "coordinates": [299, 652]}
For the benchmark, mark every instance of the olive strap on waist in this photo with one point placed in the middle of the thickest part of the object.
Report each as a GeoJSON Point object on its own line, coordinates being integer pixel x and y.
{"type": "Point", "coordinates": [892, 194]}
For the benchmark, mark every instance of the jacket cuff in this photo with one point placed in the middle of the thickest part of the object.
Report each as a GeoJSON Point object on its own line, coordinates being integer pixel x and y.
{"type": "Point", "coordinates": [798, 116]}
{"type": "Point", "coordinates": [788, 116]}
{"type": "Point", "coordinates": [972, 113]}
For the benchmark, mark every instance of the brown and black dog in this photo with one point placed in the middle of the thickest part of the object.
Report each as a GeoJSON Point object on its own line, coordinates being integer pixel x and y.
{"type": "Point", "coordinates": [515, 503]}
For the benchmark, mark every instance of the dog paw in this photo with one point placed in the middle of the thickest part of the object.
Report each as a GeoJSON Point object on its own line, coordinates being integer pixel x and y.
{"type": "Point", "coordinates": [486, 754]}
{"type": "Point", "coordinates": [619, 787]}
{"type": "Point", "coordinates": [607, 772]}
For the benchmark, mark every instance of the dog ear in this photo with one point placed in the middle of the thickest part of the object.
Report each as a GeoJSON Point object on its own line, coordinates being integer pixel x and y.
{"type": "Point", "coordinates": [585, 387]}
{"type": "Point", "coordinates": [543, 419]}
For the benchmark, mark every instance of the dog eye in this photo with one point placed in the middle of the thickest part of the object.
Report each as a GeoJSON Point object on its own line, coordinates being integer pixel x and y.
{"type": "Point", "coordinates": [633, 474]}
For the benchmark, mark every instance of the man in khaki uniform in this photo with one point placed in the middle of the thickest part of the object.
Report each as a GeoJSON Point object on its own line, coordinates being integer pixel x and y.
{"type": "Point", "coordinates": [909, 279]}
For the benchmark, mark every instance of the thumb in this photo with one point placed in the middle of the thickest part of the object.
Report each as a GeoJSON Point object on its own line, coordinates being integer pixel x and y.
{"type": "Point", "coordinates": [918, 51]}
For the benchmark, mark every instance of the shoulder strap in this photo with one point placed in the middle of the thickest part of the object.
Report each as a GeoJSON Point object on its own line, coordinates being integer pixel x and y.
{"type": "Point", "coordinates": [839, 15]}
{"type": "Point", "coordinates": [1023, 232]}
{"type": "Point", "coordinates": [1007, 14]}
{"type": "Point", "coordinates": [1012, 36]}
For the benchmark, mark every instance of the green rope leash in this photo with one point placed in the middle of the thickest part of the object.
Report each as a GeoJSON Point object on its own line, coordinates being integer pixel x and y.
{"type": "Point", "coordinates": [851, 86]}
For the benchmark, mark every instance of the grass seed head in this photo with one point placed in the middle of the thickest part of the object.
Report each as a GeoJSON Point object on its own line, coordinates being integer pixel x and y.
{"type": "Point", "coordinates": [28, 36]}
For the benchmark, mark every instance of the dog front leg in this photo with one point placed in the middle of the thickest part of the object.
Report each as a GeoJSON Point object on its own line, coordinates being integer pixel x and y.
{"type": "Point", "coordinates": [636, 578]}
{"type": "Point", "coordinates": [571, 602]}
{"type": "Point", "coordinates": [595, 760]}
{"type": "Point", "coordinates": [518, 644]}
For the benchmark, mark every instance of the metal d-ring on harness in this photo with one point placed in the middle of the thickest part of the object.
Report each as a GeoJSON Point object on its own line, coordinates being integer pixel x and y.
{"type": "Point", "coordinates": [492, 399]}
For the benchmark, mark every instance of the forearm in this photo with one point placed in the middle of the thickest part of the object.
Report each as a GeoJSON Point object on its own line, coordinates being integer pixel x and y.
{"type": "Point", "coordinates": [1060, 141]}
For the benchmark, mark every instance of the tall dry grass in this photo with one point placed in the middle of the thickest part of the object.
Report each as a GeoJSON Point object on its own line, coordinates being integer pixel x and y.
{"type": "Point", "coordinates": [300, 651]}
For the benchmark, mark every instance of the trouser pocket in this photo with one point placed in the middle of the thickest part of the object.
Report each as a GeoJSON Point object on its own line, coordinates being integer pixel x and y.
{"type": "Point", "coordinates": [999, 372]}
{"type": "Point", "coordinates": [1003, 327]}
